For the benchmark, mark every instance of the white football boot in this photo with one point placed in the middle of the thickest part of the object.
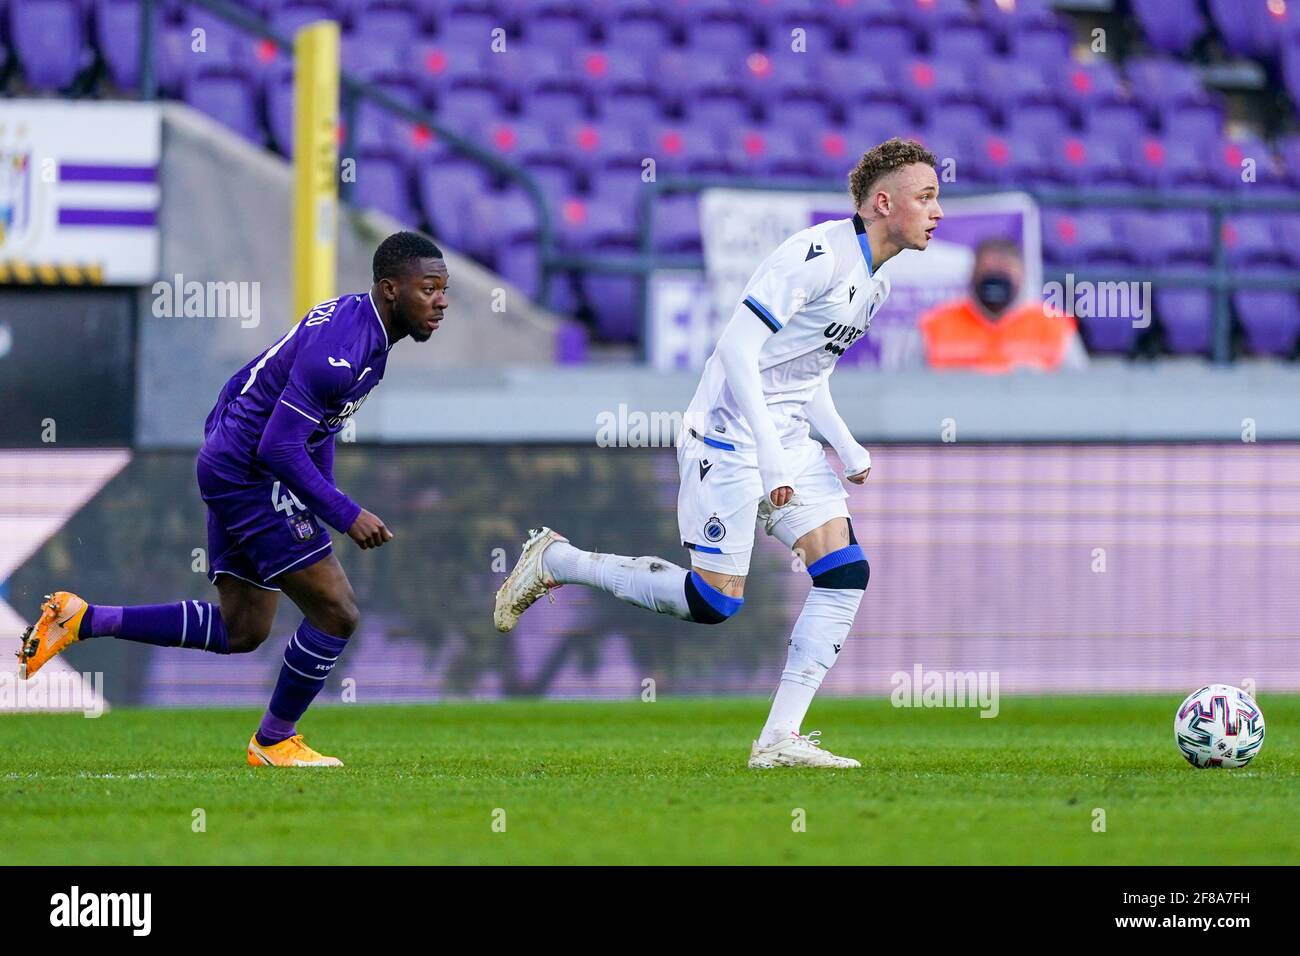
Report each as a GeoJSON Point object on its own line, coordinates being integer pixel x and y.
{"type": "Point", "coordinates": [797, 751]}
{"type": "Point", "coordinates": [527, 582]}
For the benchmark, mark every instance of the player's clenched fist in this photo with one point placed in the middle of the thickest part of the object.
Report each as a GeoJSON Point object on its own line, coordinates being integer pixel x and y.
{"type": "Point", "coordinates": [369, 531]}
{"type": "Point", "coordinates": [780, 497]}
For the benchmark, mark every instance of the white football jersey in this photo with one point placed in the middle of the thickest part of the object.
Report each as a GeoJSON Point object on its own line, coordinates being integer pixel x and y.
{"type": "Point", "coordinates": [817, 293]}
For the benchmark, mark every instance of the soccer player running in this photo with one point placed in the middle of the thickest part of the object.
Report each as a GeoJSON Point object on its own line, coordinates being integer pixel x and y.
{"type": "Point", "coordinates": [266, 473]}
{"type": "Point", "coordinates": [747, 452]}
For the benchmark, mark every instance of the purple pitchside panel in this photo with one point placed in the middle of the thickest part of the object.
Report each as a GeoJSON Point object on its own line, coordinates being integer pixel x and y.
{"type": "Point", "coordinates": [1079, 569]}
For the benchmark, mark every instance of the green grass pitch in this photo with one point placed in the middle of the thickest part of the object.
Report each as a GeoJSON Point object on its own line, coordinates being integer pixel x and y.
{"type": "Point", "coordinates": [647, 783]}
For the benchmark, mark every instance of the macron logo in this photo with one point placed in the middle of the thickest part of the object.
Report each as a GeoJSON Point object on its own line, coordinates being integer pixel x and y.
{"type": "Point", "coordinates": [815, 250]}
{"type": "Point", "coordinates": [134, 910]}
{"type": "Point", "coordinates": [340, 363]}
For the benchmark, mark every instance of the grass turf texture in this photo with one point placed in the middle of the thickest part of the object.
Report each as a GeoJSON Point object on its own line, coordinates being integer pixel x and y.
{"type": "Point", "coordinates": [642, 783]}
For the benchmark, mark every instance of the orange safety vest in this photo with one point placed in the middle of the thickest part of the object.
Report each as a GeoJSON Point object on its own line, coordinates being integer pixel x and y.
{"type": "Point", "coordinates": [958, 335]}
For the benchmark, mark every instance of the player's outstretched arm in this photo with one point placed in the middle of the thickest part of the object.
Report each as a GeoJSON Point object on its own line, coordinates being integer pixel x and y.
{"type": "Point", "coordinates": [826, 419]}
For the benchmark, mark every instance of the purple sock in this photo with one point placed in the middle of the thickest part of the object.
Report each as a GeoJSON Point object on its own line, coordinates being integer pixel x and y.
{"type": "Point", "coordinates": [100, 620]}
{"type": "Point", "coordinates": [308, 661]}
{"type": "Point", "coordinates": [191, 624]}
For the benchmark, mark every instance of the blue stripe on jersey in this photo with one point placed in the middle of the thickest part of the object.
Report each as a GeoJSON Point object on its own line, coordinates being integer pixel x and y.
{"type": "Point", "coordinates": [762, 313]}
{"type": "Point", "coordinates": [712, 441]}
{"type": "Point", "coordinates": [866, 251]}
{"type": "Point", "coordinates": [701, 547]}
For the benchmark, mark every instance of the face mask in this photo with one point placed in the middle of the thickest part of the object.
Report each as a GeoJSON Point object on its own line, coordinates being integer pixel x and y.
{"type": "Point", "coordinates": [994, 292]}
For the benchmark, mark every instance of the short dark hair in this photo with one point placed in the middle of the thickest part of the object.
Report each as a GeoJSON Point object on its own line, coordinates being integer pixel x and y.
{"type": "Point", "coordinates": [880, 161]}
{"type": "Point", "coordinates": [399, 250]}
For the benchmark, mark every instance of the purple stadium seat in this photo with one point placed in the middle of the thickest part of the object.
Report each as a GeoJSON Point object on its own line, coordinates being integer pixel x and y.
{"type": "Point", "coordinates": [1198, 123]}
{"type": "Point", "coordinates": [1250, 154]}
{"type": "Point", "coordinates": [869, 123]}
{"type": "Point", "coordinates": [1046, 123]}
{"type": "Point", "coordinates": [931, 85]}
{"type": "Point", "coordinates": [802, 115]}
{"type": "Point", "coordinates": [1162, 84]}
{"type": "Point", "coordinates": [1252, 241]}
{"type": "Point", "coordinates": [1171, 26]}
{"type": "Point", "coordinates": [1291, 68]}
{"type": "Point", "coordinates": [1121, 121]}
{"type": "Point", "coordinates": [605, 70]}
{"type": "Point", "coordinates": [884, 42]}
{"type": "Point", "coordinates": [1084, 87]}
{"type": "Point", "coordinates": [1013, 160]}
{"type": "Point", "coordinates": [289, 18]}
{"type": "Point", "coordinates": [228, 94]}
{"type": "Point", "coordinates": [443, 183]}
{"type": "Point", "coordinates": [1048, 46]}
{"type": "Point", "coordinates": [470, 29]}
{"type": "Point", "coordinates": [608, 144]}
{"type": "Point", "coordinates": [1288, 227]}
{"type": "Point", "coordinates": [962, 44]}
{"type": "Point", "coordinates": [1171, 239]}
{"type": "Point", "coordinates": [770, 152]}
{"type": "Point", "coordinates": [857, 84]}
{"type": "Point", "coordinates": [378, 128]}
{"type": "Point", "coordinates": [394, 21]}
{"type": "Point", "coordinates": [1096, 160]}
{"type": "Point", "coordinates": [49, 40]}
{"type": "Point", "coordinates": [1174, 165]}
{"type": "Point", "coordinates": [1005, 18]}
{"type": "Point", "coordinates": [557, 27]}
{"type": "Point", "coordinates": [1252, 29]}
{"type": "Point", "coordinates": [1006, 85]}
{"type": "Point", "coordinates": [641, 29]}
{"type": "Point", "coordinates": [935, 15]}
{"type": "Point", "coordinates": [117, 34]}
{"type": "Point", "coordinates": [442, 71]}
{"type": "Point", "coordinates": [383, 183]}
{"type": "Point", "coordinates": [677, 223]}
{"type": "Point", "coordinates": [373, 58]}
{"type": "Point", "coordinates": [719, 33]}
{"type": "Point", "coordinates": [1187, 317]}
{"type": "Point", "coordinates": [681, 148]}
{"type": "Point", "coordinates": [1269, 319]}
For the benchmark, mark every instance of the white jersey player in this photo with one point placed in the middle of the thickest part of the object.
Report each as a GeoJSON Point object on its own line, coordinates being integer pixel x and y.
{"type": "Point", "coordinates": [747, 453]}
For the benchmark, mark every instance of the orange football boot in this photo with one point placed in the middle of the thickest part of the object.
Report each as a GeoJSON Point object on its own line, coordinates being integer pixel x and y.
{"type": "Point", "coordinates": [288, 753]}
{"type": "Point", "coordinates": [61, 615]}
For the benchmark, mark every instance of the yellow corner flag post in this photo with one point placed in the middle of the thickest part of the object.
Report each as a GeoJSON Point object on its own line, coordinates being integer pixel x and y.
{"type": "Point", "coordinates": [315, 164]}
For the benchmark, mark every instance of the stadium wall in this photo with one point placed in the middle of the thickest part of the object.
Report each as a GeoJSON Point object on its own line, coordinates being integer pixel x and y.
{"type": "Point", "coordinates": [1061, 568]}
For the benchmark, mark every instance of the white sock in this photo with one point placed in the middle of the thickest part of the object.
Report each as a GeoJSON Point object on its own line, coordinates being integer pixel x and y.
{"type": "Point", "coordinates": [651, 583]}
{"type": "Point", "coordinates": [788, 709]}
{"type": "Point", "coordinates": [815, 642]}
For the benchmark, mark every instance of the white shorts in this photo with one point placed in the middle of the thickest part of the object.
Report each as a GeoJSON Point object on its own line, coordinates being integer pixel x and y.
{"type": "Point", "coordinates": [721, 498]}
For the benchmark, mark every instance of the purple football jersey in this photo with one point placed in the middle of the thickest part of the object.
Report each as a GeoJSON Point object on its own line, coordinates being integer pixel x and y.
{"type": "Point", "coordinates": [277, 416]}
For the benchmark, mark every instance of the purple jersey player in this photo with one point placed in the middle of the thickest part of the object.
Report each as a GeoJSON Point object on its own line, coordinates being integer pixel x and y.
{"type": "Point", "coordinates": [266, 473]}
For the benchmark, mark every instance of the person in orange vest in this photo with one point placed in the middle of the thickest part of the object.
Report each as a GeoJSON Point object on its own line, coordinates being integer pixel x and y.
{"type": "Point", "coordinates": [988, 332]}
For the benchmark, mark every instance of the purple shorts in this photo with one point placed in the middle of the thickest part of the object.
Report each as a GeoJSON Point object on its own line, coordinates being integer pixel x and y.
{"type": "Point", "coordinates": [258, 530]}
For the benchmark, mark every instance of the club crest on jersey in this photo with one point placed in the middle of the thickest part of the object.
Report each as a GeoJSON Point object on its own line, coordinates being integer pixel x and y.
{"type": "Point", "coordinates": [302, 527]}
{"type": "Point", "coordinates": [714, 530]}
